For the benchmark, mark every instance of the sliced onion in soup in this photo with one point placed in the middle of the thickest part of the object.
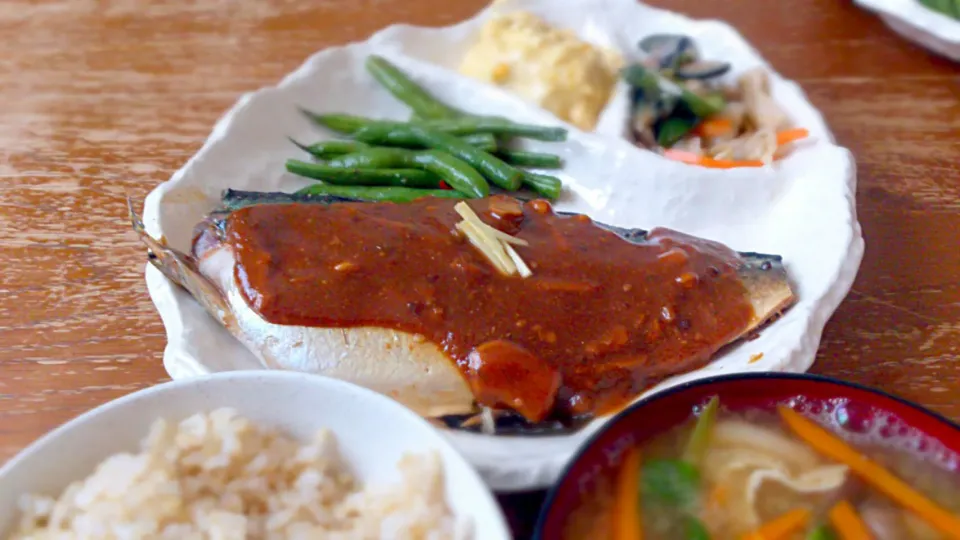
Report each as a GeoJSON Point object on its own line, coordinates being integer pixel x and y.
{"type": "Point", "coordinates": [824, 479]}
{"type": "Point", "coordinates": [734, 433]}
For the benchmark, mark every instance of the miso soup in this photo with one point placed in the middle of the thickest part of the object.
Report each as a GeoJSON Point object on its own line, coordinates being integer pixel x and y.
{"type": "Point", "coordinates": [818, 475]}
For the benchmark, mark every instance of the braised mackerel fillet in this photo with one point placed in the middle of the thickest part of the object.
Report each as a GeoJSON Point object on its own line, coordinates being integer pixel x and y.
{"type": "Point", "coordinates": [402, 299]}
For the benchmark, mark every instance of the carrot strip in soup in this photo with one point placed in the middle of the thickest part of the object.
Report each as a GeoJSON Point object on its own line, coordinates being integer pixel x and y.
{"type": "Point", "coordinates": [781, 527]}
{"type": "Point", "coordinates": [718, 496]}
{"type": "Point", "coordinates": [627, 524]}
{"type": "Point", "coordinates": [847, 523]}
{"type": "Point", "coordinates": [871, 472]}
{"type": "Point", "coordinates": [788, 136]}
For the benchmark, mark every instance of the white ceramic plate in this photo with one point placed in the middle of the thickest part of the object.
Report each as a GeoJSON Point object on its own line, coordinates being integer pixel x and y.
{"type": "Point", "coordinates": [296, 403]}
{"type": "Point", "coordinates": [919, 24]}
{"type": "Point", "coordinates": [802, 208]}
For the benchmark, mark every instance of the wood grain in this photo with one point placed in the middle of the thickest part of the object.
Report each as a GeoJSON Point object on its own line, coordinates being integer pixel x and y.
{"type": "Point", "coordinates": [100, 100]}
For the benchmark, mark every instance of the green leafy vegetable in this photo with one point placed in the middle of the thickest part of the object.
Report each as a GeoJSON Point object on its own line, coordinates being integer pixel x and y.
{"type": "Point", "coordinates": [694, 529]}
{"type": "Point", "coordinates": [670, 481]}
{"type": "Point", "coordinates": [671, 130]}
{"type": "Point", "coordinates": [640, 77]}
{"type": "Point", "coordinates": [703, 106]}
{"type": "Point", "coordinates": [823, 532]}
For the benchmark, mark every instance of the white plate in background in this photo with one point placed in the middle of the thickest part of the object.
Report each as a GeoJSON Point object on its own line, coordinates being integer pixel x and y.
{"type": "Point", "coordinates": [919, 24]}
{"type": "Point", "coordinates": [802, 208]}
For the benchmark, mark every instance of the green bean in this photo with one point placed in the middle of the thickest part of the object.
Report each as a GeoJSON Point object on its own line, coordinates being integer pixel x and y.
{"type": "Point", "coordinates": [373, 158]}
{"type": "Point", "coordinates": [329, 149]}
{"type": "Point", "coordinates": [382, 194]}
{"type": "Point", "coordinates": [341, 123]}
{"type": "Point", "coordinates": [390, 135]}
{"type": "Point", "coordinates": [483, 141]}
{"type": "Point", "coordinates": [545, 185]}
{"type": "Point", "coordinates": [493, 168]}
{"type": "Point", "coordinates": [395, 135]}
{"type": "Point", "coordinates": [349, 124]}
{"type": "Point", "coordinates": [458, 174]}
{"type": "Point", "coordinates": [538, 160]}
{"type": "Point", "coordinates": [497, 126]}
{"type": "Point", "coordinates": [364, 177]}
{"type": "Point", "coordinates": [403, 88]}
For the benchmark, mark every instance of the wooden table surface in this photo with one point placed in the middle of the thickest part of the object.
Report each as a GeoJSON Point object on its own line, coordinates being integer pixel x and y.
{"type": "Point", "coordinates": [101, 100]}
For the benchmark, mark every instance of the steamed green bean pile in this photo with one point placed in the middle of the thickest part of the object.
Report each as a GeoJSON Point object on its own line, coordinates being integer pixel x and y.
{"type": "Point", "coordinates": [440, 152]}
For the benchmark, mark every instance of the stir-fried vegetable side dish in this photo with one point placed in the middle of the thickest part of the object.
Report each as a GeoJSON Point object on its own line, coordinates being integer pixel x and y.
{"type": "Point", "coordinates": [761, 476]}
{"type": "Point", "coordinates": [682, 109]}
{"type": "Point", "coordinates": [442, 152]}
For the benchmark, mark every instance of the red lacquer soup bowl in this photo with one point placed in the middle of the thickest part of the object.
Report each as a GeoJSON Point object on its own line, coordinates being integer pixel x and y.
{"type": "Point", "coordinates": [856, 408]}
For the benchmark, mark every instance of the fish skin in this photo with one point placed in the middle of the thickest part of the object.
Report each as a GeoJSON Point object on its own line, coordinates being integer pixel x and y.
{"type": "Point", "coordinates": [233, 199]}
{"type": "Point", "coordinates": [411, 370]}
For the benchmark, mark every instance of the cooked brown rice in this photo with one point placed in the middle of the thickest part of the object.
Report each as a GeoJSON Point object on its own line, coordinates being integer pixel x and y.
{"type": "Point", "coordinates": [220, 476]}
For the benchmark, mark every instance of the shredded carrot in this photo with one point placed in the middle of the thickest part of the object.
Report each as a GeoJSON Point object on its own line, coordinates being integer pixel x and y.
{"type": "Point", "coordinates": [704, 161]}
{"type": "Point", "coordinates": [728, 163]}
{"type": "Point", "coordinates": [788, 136]}
{"type": "Point", "coordinates": [684, 156]}
{"type": "Point", "coordinates": [626, 507]}
{"type": "Point", "coordinates": [782, 526]}
{"type": "Point", "coordinates": [871, 472]}
{"type": "Point", "coordinates": [714, 127]}
{"type": "Point", "coordinates": [847, 523]}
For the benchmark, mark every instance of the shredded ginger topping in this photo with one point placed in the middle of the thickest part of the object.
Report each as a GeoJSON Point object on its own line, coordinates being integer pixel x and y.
{"type": "Point", "coordinates": [495, 245]}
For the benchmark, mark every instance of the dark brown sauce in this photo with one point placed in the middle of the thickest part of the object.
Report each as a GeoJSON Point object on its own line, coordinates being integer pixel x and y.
{"type": "Point", "coordinates": [598, 320]}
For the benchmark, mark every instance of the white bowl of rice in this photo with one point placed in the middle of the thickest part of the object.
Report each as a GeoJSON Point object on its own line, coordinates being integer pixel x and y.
{"type": "Point", "coordinates": [246, 455]}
